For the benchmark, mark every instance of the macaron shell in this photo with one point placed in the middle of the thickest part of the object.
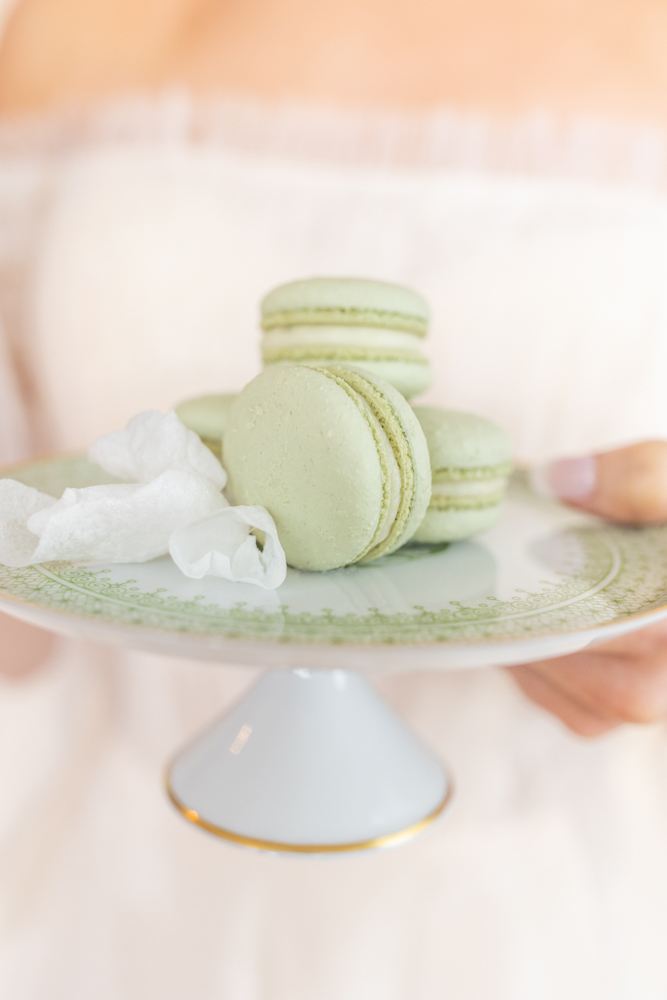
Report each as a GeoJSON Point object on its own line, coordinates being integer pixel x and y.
{"type": "Point", "coordinates": [463, 440]}
{"type": "Point", "coordinates": [206, 416]}
{"type": "Point", "coordinates": [470, 461]}
{"type": "Point", "coordinates": [453, 525]}
{"type": "Point", "coordinates": [304, 301]}
{"type": "Point", "coordinates": [214, 445]}
{"type": "Point", "coordinates": [298, 445]}
{"type": "Point", "coordinates": [408, 378]}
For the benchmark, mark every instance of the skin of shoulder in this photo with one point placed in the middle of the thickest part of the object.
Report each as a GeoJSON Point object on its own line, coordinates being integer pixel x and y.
{"type": "Point", "coordinates": [503, 56]}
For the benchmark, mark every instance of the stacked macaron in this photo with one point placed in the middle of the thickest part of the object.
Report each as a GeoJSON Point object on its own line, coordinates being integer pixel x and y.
{"type": "Point", "coordinates": [470, 464]}
{"type": "Point", "coordinates": [370, 324]}
{"type": "Point", "coordinates": [207, 417]}
{"type": "Point", "coordinates": [325, 439]}
{"type": "Point", "coordinates": [337, 457]}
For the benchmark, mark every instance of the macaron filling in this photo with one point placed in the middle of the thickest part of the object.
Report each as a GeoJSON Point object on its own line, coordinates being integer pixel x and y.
{"type": "Point", "coordinates": [391, 477]}
{"type": "Point", "coordinates": [345, 316]}
{"type": "Point", "coordinates": [391, 488]}
{"type": "Point", "coordinates": [467, 494]}
{"type": "Point", "coordinates": [391, 526]}
{"type": "Point", "coordinates": [473, 472]}
{"type": "Point", "coordinates": [333, 343]}
{"type": "Point", "coordinates": [469, 488]}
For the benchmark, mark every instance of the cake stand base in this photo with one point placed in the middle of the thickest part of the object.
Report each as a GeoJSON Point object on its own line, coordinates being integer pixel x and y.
{"type": "Point", "coordinates": [310, 762]}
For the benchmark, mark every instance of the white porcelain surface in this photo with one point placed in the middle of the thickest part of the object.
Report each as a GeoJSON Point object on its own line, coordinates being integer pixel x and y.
{"type": "Point", "coordinates": [310, 758]}
{"type": "Point", "coordinates": [545, 581]}
{"type": "Point", "coordinates": [314, 757]}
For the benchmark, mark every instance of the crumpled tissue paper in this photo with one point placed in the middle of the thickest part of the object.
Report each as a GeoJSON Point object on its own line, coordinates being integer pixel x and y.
{"type": "Point", "coordinates": [222, 545]}
{"type": "Point", "coordinates": [153, 443]}
{"type": "Point", "coordinates": [119, 523]}
{"type": "Point", "coordinates": [174, 504]}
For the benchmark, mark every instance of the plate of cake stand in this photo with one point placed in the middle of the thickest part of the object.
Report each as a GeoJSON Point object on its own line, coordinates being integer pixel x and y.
{"type": "Point", "coordinates": [312, 760]}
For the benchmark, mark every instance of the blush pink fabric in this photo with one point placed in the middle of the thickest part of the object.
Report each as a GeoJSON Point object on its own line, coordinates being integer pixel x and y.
{"type": "Point", "coordinates": [134, 247]}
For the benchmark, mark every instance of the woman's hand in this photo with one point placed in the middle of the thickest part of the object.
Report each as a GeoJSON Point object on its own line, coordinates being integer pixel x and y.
{"type": "Point", "coordinates": [624, 680]}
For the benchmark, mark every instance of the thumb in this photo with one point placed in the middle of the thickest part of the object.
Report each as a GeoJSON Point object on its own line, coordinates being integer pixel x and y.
{"type": "Point", "coordinates": [628, 484]}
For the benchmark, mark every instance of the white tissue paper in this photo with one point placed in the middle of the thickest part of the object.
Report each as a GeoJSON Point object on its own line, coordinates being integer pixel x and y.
{"type": "Point", "coordinates": [120, 523]}
{"type": "Point", "coordinates": [174, 504]}
{"type": "Point", "coordinates": [224, 545]}
{"type": "Point", "coordinates": [17, 504]}
{"type": "Point", "coordinates": [153, 443]}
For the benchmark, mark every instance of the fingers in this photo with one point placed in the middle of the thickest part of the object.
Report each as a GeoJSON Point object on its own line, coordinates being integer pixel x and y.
{"type": "Point", "coordinates": [631, 483]}
{"type": "Point", "coordinates": [624, 681]}
{"type": "Point", "coordinates": [628, 484]}
{"type": "Point", "coordinates": [594, 691]}
{"type": "Point", "coordinates": [642, 643]}
{"type": "Point", "coordinates": [542, 692]}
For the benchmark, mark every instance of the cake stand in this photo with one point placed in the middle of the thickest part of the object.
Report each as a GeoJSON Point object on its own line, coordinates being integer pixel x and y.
{"type": "Point", "coordinates": [312, 760]}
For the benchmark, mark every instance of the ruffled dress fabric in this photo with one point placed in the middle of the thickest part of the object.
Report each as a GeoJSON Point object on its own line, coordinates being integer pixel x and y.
{"type": "Point", "coordinates": [135, 242]}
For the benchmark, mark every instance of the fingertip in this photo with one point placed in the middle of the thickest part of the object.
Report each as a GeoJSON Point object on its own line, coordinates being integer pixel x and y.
{"type": "Point", "coordinates": [627, 484]}
{"type": "Point", "coordinates": [632, 483]}
{"type": "Point", "coordinates": [580, 720]}
{"type": "Point", "coordinates": [572, 479]}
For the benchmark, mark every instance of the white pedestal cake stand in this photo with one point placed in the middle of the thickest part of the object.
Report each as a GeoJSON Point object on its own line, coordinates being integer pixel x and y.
{"type": "Point", "coordinates": [312, 760]}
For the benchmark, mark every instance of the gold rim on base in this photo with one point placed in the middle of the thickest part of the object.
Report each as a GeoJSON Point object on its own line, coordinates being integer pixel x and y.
{"type": "Point", "coordinates": [387, 840]}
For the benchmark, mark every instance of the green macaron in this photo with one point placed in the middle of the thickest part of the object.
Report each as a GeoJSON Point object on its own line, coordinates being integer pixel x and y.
{"type": "Point", "coordinates": [324, 321]}
{"type": "Point", "coordinates": [207, 417]}
{"type": "Point", "coordinates": [335, 455]}
{"type": "Point", "coordinates": [470, 463]}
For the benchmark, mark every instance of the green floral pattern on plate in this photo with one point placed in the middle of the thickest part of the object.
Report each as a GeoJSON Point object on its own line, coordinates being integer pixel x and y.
{"type": "Point", "coordinates": [602, 574]}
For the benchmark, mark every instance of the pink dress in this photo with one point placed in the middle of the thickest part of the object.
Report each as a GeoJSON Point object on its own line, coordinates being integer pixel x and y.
{"type": "Point", "coordinates": [135, 243]}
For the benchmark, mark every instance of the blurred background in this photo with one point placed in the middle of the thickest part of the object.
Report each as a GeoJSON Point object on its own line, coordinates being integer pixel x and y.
{"type": "Point", "coordinates": [163, 163]}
